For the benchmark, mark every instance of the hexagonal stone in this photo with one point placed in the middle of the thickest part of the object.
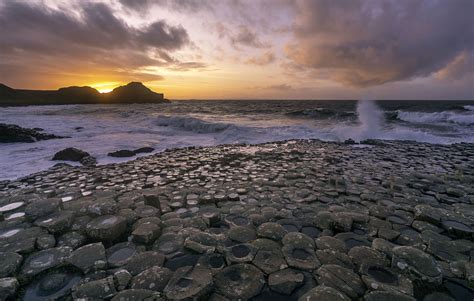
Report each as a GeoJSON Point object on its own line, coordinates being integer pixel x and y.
{"type": "Point", "coordinates": [9, 263]}
{"type": "Point", "coordinates": [269, 257]}
{"type": "Point", "coordinates": [385, 279]}
{"type": "Point", "coordinates": [136, 295]}
{"type": "Point", "coordinates": [169, 243]}
{"type": "Point", "coordinates": [106, 227]}
{"type": "Point", "coordinates": [352, 240]}
{"type": "Point", "coordinates": [416, 263]}
{"type": "Point", "coordinates": [52, 286]}
{"type": "Point", "coordinates": [103, 206]}
{"type": "Point", "coordinates": [71, 239]}
{"type": "Point", "coordinates": [242, 234]}
{"type": "Point", "coordinates": [239, 281]}
{"type": "Point", "coordinates": [458, 228]}
{"type": "Point", "coordinates": [324, 293]}
{"type": "Point", "coordinates": [342, 279]}
{"type": "Point", "coordinates": [368, 256]}
{"type": "Point", "coordinates": [331, 243]}
{"type": "Point", "coordinates": [329, 256]}
{"type": "Point", "coordinates": [122, 278]}
{"type": "Point", "coordinates": [272, 231]}
{"type": "Point", "coordinates": [213, 261]}
{"type": "Point", "coordinates": [143, 261]}
{"type": "Point", "coordinates": [44, 260]}
{"type": "Point", "coordinates": [300, 257]}
{"type": "Point", "coordinates": [387, 295]}
{"type": "Point", "coordinates": [285, 281]}
{"type": "Point", "coordinates": [46, 241]}
{"type": "Point", "coordinates": [189, 282]}
{"type": "Point", "coordinates": [146, 211]}
{"type": "Point", "coordinates": [240, 253]}
{"type": "Point", "coordinates": [8, 288]}
{"type": "Point", "coordinates": [146, 233]}
{"type": "Point", "coordinates": [155, 278]}
{"type": "Point", "coordinates": [57, 222]}
{"type": "Point", "coordinates": [40, 208]}
{"type": "Point", "coordinates": [24, 246]}
{"type": "Point", "coordinates": [429, 214]}
{"type": "Point", "coordinates": [89, 258]}
{"type": "Point", "coordinates": [120, 254]}
{"type": "Point", "coordinates": [201, 242]}
{"type": "Point", "coordinates": [95, 290]}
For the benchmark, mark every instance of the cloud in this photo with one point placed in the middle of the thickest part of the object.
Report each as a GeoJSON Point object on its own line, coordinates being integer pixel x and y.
{"type": "Point", "coordinates": [461, 66]}
{"type": "Point", "coordinates": [247, 37]}
{"type": "Point", "coordinates": [90, 39]}
{"type": "Point", "coordinates": [162, 36]}
{"type": "Point", "coordinates": [142, 6]}
{"type": "Point", "coordinates": [264, 59]}
{"type": "Point", "coordinates": [241, 35]}
{"type": "Point", "coordinates": [365, 43]}
{"type": "Point", "coordinates": [283, 87]}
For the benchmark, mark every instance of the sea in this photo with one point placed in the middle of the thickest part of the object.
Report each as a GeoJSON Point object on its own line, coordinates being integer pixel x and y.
{"type": "Point", "coordinates": [100, 129]}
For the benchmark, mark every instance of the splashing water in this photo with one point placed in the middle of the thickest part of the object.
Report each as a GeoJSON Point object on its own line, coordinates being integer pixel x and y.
{"type": "Point", "coordinates": [371, 119]}
{"type": "Point", "coordinates": [370, 124]}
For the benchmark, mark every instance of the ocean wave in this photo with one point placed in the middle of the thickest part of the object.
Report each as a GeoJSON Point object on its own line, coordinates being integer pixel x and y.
{"type": "Point", "coordinates": [193, 124]}
{"type": "Point", "coordinates": [436, 117]}
{"type": "Point", "coordinates": [469, 108]}
{"type": "Point", "coordinates": [321, 113]}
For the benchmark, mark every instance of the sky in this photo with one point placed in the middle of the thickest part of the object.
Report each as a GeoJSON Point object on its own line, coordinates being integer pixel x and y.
{"type": "Point", "coordinates": [241, 49]}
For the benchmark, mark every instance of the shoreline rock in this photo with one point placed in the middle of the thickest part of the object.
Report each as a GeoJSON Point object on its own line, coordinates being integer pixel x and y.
{"type": "Point", "coordinates": [11, 133]}
{"type": "Point", "coordinates": [217, 223]}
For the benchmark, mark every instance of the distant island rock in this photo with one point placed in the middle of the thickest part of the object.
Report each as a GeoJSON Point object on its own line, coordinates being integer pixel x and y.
{"type": "Point", "coordinates": [134, 92]}
{"type": "Point", "coordinates": [10, 133]}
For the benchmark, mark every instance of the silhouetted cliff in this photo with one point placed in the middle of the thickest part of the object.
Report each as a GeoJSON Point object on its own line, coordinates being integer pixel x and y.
{"type": "Point", "coordinates": [133, 92]}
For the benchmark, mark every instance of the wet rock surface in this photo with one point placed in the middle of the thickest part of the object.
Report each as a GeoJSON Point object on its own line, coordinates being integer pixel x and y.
{"type": "Point", "coordinates": [70, 154]}
{"type": "Point", "coordinates": [10, 133]}
{"type": "Point", "coordinates": [294, 220]}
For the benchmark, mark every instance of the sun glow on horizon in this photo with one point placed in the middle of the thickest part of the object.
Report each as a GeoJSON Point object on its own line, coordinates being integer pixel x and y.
{"type": "Point", "coordinates": [104, 90]}
{"type": "Point", "coordinates": [105, 87]}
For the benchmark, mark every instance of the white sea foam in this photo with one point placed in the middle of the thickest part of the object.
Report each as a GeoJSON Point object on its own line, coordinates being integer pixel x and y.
{"type": "Point", "coordinates": [437, 117]}
{"type": "Point", "coordinates": [192, 124]}
{"type": "Point", "coordinates": [469, 108]}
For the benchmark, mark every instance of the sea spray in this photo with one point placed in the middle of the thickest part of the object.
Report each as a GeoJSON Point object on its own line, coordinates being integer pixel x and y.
{"type": "Point", "coordinates": [371, 119]}
{"type": "Point", "coordinates": [370, 123]}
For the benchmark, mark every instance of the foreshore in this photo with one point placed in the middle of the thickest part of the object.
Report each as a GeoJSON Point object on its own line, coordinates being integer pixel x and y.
{"type": "Point", "coordinates": [291, 220]}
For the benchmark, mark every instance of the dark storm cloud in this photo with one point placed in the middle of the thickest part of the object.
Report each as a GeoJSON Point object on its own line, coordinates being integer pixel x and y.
{"type": "Point", "coordinates": [160, 35]}
{"type": "Point", "coordinates": [38, 37]}
{"type": "Point", "coordinates": [242, 35]}
{"type": "Point", "coordinates": [33, 28]}
{"type": "Point", "coordinates": [369, 42]}
{"type": "Point", "coordinates": [142, 6]}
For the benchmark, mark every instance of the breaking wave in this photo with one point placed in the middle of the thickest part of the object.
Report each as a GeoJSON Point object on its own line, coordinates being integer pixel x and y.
{"type": "Point", "coordinates": [321, 113]}
{"type": "Point", "coordinates": [192, 124]}
{"type": "Point", "coordinates": [437, 117]}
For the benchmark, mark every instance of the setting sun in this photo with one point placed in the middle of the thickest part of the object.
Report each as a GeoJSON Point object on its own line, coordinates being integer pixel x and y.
{"type": "Point", "coordinates": [105, 87]}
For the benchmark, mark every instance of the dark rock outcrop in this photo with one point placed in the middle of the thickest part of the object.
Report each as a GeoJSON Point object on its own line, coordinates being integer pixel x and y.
{"type": "Point", "coordinates": [71, 154]}
{"type": "Point", "coordinates": [130, 153]}
{"type": "Point", "coordinates": [122, 153]}
{"type": "Point", "coordinates": [133, 92]}
{"type": "Point", "coordinates": [10, 133]}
